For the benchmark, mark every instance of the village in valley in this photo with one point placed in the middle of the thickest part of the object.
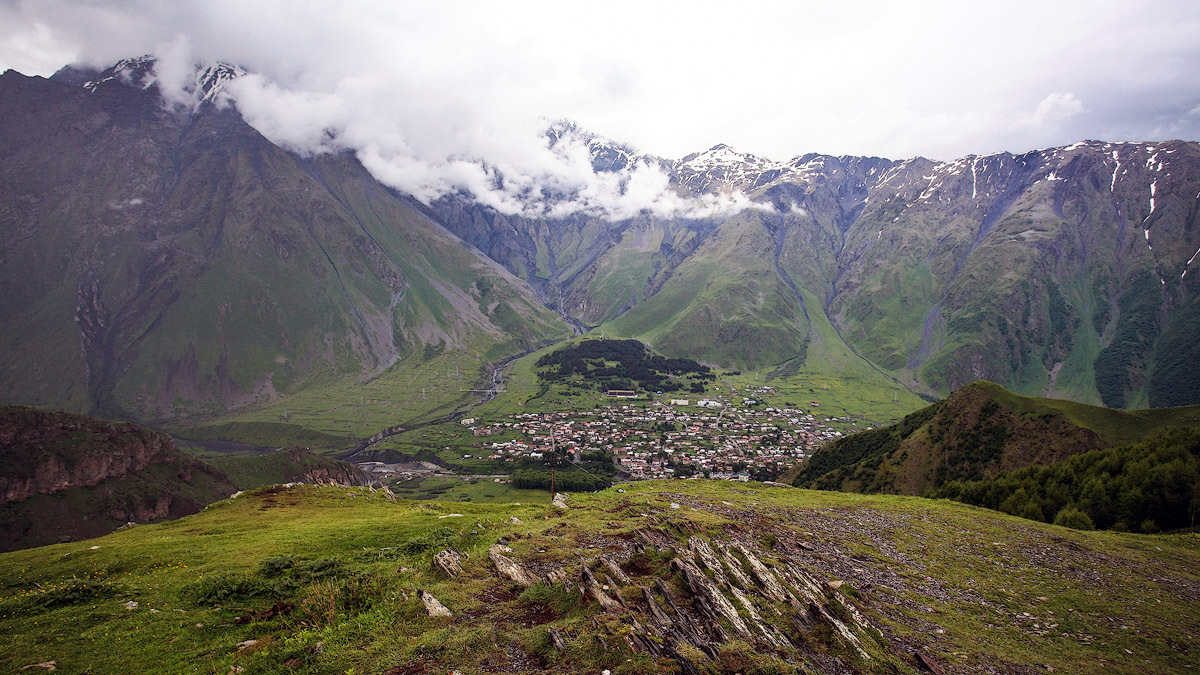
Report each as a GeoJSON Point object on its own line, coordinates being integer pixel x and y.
{"type": "Point", "coordinates": [633, 415]}
{"type": "Point", "coordinates": [679, 438]}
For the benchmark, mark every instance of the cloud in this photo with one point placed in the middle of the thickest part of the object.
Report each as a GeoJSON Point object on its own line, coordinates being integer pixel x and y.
{"type": "Point", "coordinates": [1055, 109]}
{"type": "Point", "coordinates": [455, 95]}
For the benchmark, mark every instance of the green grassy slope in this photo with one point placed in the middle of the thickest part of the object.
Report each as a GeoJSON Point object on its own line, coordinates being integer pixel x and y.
{"type": "Point", "coordinates": [326, 580]}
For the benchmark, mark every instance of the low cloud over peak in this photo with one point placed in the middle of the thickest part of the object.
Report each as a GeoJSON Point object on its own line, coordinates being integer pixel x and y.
{"type": "Point", "coordinates": [453, 96]}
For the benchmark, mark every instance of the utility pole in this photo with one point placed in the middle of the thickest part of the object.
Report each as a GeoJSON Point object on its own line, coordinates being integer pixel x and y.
{"type": "Point", "coordinates": [553, 452]}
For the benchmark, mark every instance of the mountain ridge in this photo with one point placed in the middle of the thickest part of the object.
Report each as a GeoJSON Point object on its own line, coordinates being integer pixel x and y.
{"type": "Point", "coordinates": [978, 431]}
{"type": "Point", "coordinates": [1035, 270]}
{"type": "Point", "coordinates": [212, 269]}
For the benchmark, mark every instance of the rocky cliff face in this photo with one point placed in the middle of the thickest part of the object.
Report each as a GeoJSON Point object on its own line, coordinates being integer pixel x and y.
{"type": "Point", "coordinates": [47, 451]}
{"type": "Point", "coordinates": [324, 471]}
{"type": "Point", "coordinates": [66, 476]}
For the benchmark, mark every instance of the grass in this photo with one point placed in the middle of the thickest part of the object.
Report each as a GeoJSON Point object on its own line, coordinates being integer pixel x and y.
{"type": "Point", "coordinates": [411, 391]}
{"type": "Point", "coordinates": [952, 580]}
{"type": "Point", "coordinates": [476, 490]}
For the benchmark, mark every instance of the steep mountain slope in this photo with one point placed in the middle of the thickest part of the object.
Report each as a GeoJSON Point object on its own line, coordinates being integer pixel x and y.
{"type": "Point", "coordinates": [1059, 272]}
{"type": "Point", "coordinates": [666, 577]}
{"type": "Point", "coordinates": [169, 263]}
{"type": "Point", "coordinates": [66, 476]}
{"type": "Point", "coordinates": [165, 261]}
{"type": "Point", "coordinates": [979, 430]}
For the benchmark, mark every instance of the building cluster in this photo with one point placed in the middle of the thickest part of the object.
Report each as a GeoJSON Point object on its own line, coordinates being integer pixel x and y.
{"type": "Point", "coordinates": [682, 439]}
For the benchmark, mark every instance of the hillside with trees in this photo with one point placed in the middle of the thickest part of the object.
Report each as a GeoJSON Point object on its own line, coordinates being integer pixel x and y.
{"type": "Point", "coordinates": [977, 432]}
{"type": "Point", "coordinates": [1141, 487]}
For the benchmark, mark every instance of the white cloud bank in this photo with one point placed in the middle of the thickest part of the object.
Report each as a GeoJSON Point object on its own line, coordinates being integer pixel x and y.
{"type": "Point", "coordinates": [455, 95]}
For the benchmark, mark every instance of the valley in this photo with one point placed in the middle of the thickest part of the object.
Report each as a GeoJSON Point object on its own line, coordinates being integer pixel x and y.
{"type": "Point", "coordinates": [266, 411]}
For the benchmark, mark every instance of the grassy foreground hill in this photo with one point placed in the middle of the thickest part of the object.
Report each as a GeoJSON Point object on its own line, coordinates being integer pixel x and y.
{"type": "Point", "coordinates": [978, 430]}
{"type": "Point", "coordinates": [682, 576]}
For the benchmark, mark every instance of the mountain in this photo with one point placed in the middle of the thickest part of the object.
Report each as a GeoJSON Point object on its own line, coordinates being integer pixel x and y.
{"type": "Point", "coordinates": [1060, 272]}
{"type": "Point", "coordinates": [67, 476]}
{"type": "Point", "coordinates": [979, 430]}
{"type": "Point", "coordinates": [162, 261]}
{"type": "Point", "coordinates": [664, 577]}
{"type": "Point", "coordinates": [166, 262]}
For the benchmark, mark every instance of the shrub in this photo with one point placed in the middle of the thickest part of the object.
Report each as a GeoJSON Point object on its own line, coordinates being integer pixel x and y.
{"type": "Point", "coordinates": [216, 589]}
{"type": "Point", "coordinates": [70, 592]}
{"type": "Point", "coordinates": [321, 568]}
{"type": "Point", "coordinates": [276, 565]}
{"type": "Point", "coordinates": [553, 596]}
{"type": "Point", "coordinates": [324, 601]}
{"type": "Point", "coordinates": [1073, 518]}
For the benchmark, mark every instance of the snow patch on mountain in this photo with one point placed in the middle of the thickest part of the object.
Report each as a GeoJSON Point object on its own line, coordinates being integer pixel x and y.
{"type": "Point", "coordinates": [205, 84]}
{"type": "Point", "coordinates": [134, 72]}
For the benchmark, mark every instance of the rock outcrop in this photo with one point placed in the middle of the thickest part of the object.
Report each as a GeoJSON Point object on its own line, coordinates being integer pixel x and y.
{"type": "Point", "coordinates": [47, 451]}
{"type": "Point", "coordinates": [713, 591]}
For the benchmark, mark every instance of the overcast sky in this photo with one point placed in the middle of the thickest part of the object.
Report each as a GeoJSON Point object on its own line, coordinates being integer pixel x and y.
{"type": "Point", "coordinates": [442, 93]}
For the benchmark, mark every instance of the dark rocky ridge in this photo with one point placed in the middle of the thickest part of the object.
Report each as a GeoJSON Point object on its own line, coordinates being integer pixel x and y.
{"type": "Point", "coordinates": [47, 451]}
{"type": "Point", "coordinates": [67, 476]}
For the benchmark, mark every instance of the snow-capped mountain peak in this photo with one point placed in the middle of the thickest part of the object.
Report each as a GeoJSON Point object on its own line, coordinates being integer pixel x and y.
{"type": "Point", "coordinates": [206, 85]}
{"type": "Point", "coordinates": [137, 71]}
{"type": "Point", "coordinates": [211, 80]}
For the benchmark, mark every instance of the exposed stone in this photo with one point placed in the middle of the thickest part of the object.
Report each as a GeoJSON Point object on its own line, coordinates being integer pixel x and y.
{"type": "Point", "coordinates": [766, 579]}
{"type": "Point", "coordinates": [615, 570]}
{"type": "Point", "coordinates": [735, 569]}
{"type": "Point", "coordinates": [449, 561]}
{"type": "Point", "coordinates": [433, 606]}
{"type": "Point", "coordinates": [705, 589]}
{"type": "Point", "coordinates": [594, 591]}
{"type": "Point", "coordinates": [559, 575]}
{"type": "Point", "coordinates": [708, 558]}
{"type": "Point", "coordinates": [929, 663]}
{"type": "Point", "coordinates": [510, 569]}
